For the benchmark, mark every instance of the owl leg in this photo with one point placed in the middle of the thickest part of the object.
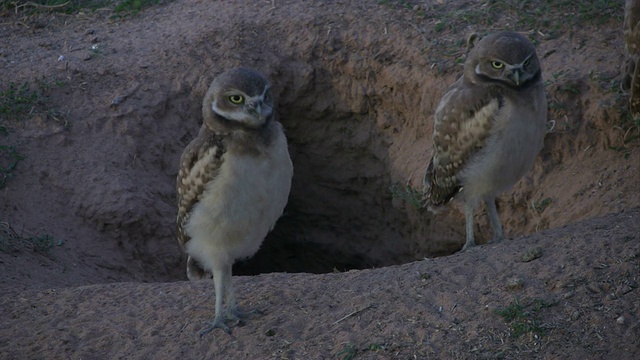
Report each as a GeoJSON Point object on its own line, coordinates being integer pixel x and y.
{"type": "Point", "coordinates": [233, 311]}
{"type": "Point", "coordinates": [468, 216]}
{"type": "Point", "coordinates": [220, 277]}
{"type": "Point", "coordinates": [494, 219]}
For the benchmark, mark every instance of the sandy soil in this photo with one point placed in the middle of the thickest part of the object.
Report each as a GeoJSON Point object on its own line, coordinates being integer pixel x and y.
{"type": "Point", "coordinates": [352, 270]}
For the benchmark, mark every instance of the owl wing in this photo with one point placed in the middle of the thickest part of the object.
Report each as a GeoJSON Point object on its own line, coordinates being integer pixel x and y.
{"type": "Point", "coordinates": [463, 121]}
{"type": "Point", "coordinates": [199, 164]}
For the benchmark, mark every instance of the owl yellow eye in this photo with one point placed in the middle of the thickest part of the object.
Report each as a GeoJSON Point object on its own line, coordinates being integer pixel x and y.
{"type": "Point", "coordinates": [527, 62]}
{"type": "Point", "coordinates": [236, 99]}
{"type": "Point", "coordinates": [497, 64]}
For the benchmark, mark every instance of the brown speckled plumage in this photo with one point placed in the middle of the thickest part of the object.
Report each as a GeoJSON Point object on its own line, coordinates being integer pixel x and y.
{"type": "Point", "coordinates": [205, 154]}
{"type": "Point", "coordinates": [489, 127]}
{"type": "Point", "coordinates": [233, 183]}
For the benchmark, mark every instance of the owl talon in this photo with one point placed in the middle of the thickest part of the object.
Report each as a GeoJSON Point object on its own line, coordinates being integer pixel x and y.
{"type": "Point", "coordinates": [496, 239]}
{"type": "Point", "coordinates": [215, 324]}
{"type": "Point", "coordinates": [468, 246]}
{"type": "Point", "coordinates": [237, 314]}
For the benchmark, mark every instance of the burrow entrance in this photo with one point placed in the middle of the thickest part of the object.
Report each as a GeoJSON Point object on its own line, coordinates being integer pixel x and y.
{"type": "Point", "coordinates": [356, 145]}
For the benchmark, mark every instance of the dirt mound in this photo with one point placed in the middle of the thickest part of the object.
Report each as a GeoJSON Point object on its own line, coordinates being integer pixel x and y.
{"type": "Point", "coordinates": [570, 293]}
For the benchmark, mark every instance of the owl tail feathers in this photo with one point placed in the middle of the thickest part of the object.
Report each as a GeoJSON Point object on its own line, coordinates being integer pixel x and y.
{"type": "Point", "coordinates": [433, 203]}
{"type": "Point", "coordinates": [195, 272]}
{"type": "Point", "coordinates": [427, 186]}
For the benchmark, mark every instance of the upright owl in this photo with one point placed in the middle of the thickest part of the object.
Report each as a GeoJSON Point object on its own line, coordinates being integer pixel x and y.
{"type": "Point", "coordinates": [233, 183]}
{"type": "Point", "coordinates": [489, 127]}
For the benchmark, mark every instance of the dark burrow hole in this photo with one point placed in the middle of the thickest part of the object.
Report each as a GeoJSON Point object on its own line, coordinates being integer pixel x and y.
{"type": "Point", "coordinates": [280, 252]}
{"type": "Point", "coordinates": [342, 215]}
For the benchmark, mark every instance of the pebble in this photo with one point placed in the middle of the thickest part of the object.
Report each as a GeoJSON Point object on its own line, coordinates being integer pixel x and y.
{"type": "Point", "coordinates": [575, 315]}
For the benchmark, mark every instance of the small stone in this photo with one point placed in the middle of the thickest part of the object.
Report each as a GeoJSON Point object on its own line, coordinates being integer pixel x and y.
{"type": "Point", "coordinates": [575, 315]}
{"type": "Point", "coordinates": [620, 320]}
{"type": "Point", "coordinates": [515, 284]}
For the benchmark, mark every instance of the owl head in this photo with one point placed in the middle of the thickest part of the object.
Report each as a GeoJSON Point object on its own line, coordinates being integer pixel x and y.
{"type": "Point", "coordinates": [238, 98]}
{"type": "Point", "coordinates": [503, 58]}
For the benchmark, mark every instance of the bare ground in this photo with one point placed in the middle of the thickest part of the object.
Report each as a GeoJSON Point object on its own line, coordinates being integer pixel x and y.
{"type": "Point", "coordinates": [356, 83]}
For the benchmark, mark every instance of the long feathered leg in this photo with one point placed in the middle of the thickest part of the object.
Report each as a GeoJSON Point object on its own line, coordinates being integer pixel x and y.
{"type": "Point", "coordinates": [494, 219]}
{"type": "Point", "coordinates": [233, 312]}
{"type": "Point", "coordinates": [468, 216]}
{"type": "Point", "coordinates": [220, 277]}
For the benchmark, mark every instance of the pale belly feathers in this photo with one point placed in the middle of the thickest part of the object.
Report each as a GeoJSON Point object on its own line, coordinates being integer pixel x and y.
{"type": "Point", "coordinates": [240, 206]}
{"type": "Point", "coordinates": [508, 155]}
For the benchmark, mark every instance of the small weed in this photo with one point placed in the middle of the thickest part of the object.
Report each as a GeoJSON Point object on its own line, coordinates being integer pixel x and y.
{"type": "Point", "coordinates": [521, 321]}
{"type": "Point", "coordinates": [630, 128]}
{"type": "Point", "coordinates": [10, 241]}
{"type": "Point", "coordinates": [134, 6]}
{"type": "Point", "coordinates": [48, 84]}
{"type": "Point", "coordinates": [30, 7]}
{"type": "Point", "coordinates": [540, 206]}
{"type": "Point", "coordinates": [349, 351]}
{"type": "Point", "coordinates": [627, 124]}
{"type": "Point", "coordinates": [515, 284]}
{"type": "Point", "coordinates": [531, 254]}
{"type": "Point", "coordinates": [568, 88]}
{"type": "Point", "coordinates": [9, 156]}
{"type": "Point", "coordinates": [539, 304]}
{"type": "Point", "coordinates": [27, 7]}
{"type": "Point", "coordinates": [40, 243]}
{"type": "Point", "coordinates": [556, 106]}
{"type": "Point", "coordinates": [408, 194]}
{"type": "Point", "coordinates": [18, 100]}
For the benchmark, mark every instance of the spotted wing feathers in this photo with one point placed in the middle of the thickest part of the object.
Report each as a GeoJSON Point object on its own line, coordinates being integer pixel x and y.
{"type": "Point", "coordinates": [199, 164]}
{"type": "Point", "coordinates": [463, 122]}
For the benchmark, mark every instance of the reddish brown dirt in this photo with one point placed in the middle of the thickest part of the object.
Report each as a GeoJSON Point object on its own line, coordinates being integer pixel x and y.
{"type": "Point", "coordinates": [356, 84]}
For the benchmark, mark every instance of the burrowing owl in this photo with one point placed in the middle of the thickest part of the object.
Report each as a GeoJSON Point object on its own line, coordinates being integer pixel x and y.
{"type": "Point", "coordinates": [233, 183]}
{"type": "Point", "coordinates": [489, 127]}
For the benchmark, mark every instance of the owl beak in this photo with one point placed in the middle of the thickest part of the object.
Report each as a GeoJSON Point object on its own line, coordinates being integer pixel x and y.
{"type": "Point", "coordinates": [255, 109]}
{"type": "Point", "coordinates": [515, 76]}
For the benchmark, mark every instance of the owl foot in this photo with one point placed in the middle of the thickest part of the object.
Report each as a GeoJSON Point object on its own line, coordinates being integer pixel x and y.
{"type": "Point", "coordinates": [496, 239]}
{"type": "Point", "coordinates": [468, 245]}
{"type": "Point", "coordinates": [217, 323]}
{"type": "Point", "coordinates": [235, 314]}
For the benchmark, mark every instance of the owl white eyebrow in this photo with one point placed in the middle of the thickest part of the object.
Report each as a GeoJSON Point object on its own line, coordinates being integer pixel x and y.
{"type": "Point", "coordinates": [266, 88]}
{"type": "Point", "coordinates": [527, 59]}
{"type": "Point", "coordinates": [259, 97]}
